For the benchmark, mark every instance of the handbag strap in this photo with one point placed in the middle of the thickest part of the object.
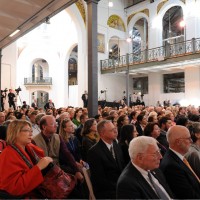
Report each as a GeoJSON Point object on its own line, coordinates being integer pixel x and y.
{"type": "Point", "coordinates": [22, 155]}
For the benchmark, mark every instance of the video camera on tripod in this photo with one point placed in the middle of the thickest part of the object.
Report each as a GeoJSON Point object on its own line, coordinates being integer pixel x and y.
{"type": "Point", "coordinates": [18, 90]}
{"type": "Point", "coordinates": [5, 90]}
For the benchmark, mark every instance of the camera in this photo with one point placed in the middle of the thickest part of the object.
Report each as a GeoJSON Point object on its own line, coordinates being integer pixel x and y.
{"type": "Point", "coordinates": [6, 90]}
{"type": "Point", "coordinates": [18, 90]}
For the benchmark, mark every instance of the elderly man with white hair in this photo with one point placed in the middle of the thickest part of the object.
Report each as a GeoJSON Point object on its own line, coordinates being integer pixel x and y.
{"type": "Point", "coordinates": [179, 175]}
{"type": "Point", "coordinates": [141, 179]}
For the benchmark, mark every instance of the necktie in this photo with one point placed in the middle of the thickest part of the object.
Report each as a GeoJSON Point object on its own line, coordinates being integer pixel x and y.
{"type": "Point", "coordinates": [157, 188]}
{"type": "Point", "coordinates": [112, 151]}
{"type": "Point", "coordinates": [188, 165]}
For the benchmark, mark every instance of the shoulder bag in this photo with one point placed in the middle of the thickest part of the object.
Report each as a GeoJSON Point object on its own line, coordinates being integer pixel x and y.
{"type": "Point", "coordinates": [57, 184]}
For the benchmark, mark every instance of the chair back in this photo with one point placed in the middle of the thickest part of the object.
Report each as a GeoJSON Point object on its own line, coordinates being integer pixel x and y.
{"type": "Point", "coordinates": [86, 173]}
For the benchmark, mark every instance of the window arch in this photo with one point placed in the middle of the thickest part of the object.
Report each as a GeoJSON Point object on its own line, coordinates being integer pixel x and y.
{"type": "Point", "coordinates": [72, 67]}
{"type": "Point", "coordinates": [172, 31]}
{"type": "Point", "coordinates": [139, 35]}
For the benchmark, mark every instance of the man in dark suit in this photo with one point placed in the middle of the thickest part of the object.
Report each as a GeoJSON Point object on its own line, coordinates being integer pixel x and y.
{"type": "Point", "coordinates": [85, 99]}
{"type": "Point", "coordinates": [11, 99]}
{"type": "Point", "coordinates": [106, 161]}
{"type": "Point", "coordinates": [141, 179]}
{"type": "Point", "coordinates": [164, 123]}
{"type": "Point", "coordinates": [49, 105]}
{"type": "Point", "coordinates": [180, 178]}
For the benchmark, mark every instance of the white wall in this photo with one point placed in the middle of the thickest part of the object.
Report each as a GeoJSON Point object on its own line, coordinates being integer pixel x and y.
{"type": "Point", "coordinates": [115, 84]}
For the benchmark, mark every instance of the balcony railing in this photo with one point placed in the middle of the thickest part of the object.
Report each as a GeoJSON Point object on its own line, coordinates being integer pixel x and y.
{"type": "Point", "coordinates": [38, 81]}
{"type": "Point", "coordinates": [155, 54]}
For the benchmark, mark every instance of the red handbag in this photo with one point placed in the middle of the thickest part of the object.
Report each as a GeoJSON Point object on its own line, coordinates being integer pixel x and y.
{"type": "Point", "coordinates": [57, 184]}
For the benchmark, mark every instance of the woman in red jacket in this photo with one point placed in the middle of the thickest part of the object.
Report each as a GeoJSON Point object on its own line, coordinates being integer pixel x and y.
{"type": "Point", "coordinates": [16, 178]}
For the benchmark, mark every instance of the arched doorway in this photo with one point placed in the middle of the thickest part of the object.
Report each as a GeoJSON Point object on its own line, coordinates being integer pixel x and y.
{"type": "Point", "coordinates": [40, 98]}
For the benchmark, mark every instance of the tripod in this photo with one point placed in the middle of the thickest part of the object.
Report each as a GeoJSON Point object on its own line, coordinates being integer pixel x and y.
{"type": "Point", "coordinates": [18, 98]}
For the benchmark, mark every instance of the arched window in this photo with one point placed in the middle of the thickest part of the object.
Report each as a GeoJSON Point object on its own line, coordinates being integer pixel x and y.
{"type": "Point", "coordinates": [172, 31]}
{"type": "Point", "coordinates": [72, 67]}
{"type": "Point", "coordinates": [139, 36]}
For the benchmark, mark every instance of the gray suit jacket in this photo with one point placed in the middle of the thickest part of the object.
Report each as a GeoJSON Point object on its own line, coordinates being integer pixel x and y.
{"type": "Point", "coordinates": [193, 157]}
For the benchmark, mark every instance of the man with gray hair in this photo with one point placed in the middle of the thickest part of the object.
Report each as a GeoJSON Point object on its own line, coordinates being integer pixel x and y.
{"type": "Point", "coordinates": [106, 161]}
{"type": "Point", "coordinates": [141, 179]}
{"type": "Point", "coordinates": [179, 175]}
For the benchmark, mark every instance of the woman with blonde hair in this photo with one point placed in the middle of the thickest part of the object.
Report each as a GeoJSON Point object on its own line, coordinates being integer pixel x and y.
{"type": "Point", "coordinates": [17, 179]}
{"type": "Point", "coordinates": [66, 132]}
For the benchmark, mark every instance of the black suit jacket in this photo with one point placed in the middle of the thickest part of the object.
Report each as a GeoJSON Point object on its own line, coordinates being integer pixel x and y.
{"type": "Point", "coordinates": [47, 105]}
{"type": "Point", "coordinates": [139, 130]}
{"type": "Point", "coordinates": [162, 139]}
{"type": "Point", "coordinates": [132, 185]}
{"type": "Point", "coordinates": [105, 170]}
{"type": "Point", "coordinates": [181, 180]}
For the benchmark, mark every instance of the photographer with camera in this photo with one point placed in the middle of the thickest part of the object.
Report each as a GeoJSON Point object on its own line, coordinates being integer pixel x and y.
{"type": "Point", "coordinates": [11, 99]}
{"type": "Point", "coordinates": [3, 96]}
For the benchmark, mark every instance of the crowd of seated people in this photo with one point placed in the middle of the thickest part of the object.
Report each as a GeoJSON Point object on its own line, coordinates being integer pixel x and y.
{"type": "Point", "coordinates": [107, 143]}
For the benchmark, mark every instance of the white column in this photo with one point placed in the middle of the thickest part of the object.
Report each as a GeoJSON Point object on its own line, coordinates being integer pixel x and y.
{"type": "Point", "coordinates": [192, 84]}
{"type": "Point", "coordinates": [155, 88]}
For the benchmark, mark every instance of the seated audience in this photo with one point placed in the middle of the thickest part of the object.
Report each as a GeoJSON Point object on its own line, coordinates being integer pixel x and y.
{"type": "Point", "coordinates": [182, 181]}
{"type": "Point", "coordinates": [98, 118]}
{"type": "Point", "coordinates": [77, 115]}
{"type": "Point", "coordinates": [113, 120]}
{"type": "Point", "coordinates": [89, 136]}
{"type": "Point", "coordinates": [55, 147]}
{"type": "Point", "coordinates": [141, 179]}
{"type": "Point", "coordinates": [128, 132]}
{"type": "Point", "coordinates": [2, 118]}
{"type": "Point", "coordinates": [182, 121]}
{"type": "Point", "coordinates": [78, 131]}
{"type": "Point", "coordinates": [106, 161]}
{"type": "Point", "coordinates": [141, 123]}
{"type": "Point", "coordinates": [193, 155]}
{"type": "Point", "coordinates": [152, 130]}
{"type": "Point", "coordinates": [164, 123]}
{"type": "Point", "coordinates": [16, 178]}
{"type": "Point", "coordinates": [35, 127]}
{"type": "Point", "coordinates": [121, 121]}
{"type": "Point", "coordinates": [66, 132]}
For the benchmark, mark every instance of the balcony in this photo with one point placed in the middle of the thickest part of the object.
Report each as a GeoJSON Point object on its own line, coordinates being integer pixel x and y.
{"type": "Point", "coordinates": [163, 56]}
{"type": "Point", "coordinates": [45, 81]}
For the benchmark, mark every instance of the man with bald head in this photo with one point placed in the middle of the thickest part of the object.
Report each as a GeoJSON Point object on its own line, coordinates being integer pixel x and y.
{"type": "Point", "coordinates": [181, 179]}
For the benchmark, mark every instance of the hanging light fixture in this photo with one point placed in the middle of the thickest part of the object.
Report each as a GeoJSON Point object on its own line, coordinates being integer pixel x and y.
{"type": "Point", "coordinates": [110, 4]}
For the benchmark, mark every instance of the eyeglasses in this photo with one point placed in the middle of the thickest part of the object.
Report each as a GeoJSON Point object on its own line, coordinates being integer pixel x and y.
{"type": "Point", "coordinates": [27, 130]}
{"type": "Point", "coordinates": [189, 138]}
{"type": "Point", "coordinates": [156, 154]}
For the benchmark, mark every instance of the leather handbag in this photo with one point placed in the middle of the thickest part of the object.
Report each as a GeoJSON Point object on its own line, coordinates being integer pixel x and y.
{"type": "Point", "coordinates": [57, 184]}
